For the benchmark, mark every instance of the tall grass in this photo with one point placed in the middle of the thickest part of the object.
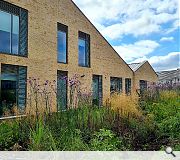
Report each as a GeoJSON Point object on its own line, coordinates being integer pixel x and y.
{"type": "Point", "coordinates": [125, 104]}
{"type": "Point", "coordinates": [41, 138]}
{"type": "Point", "coordinates": [169, 95]}
{"type": "Point", "coordinates": [120, 125]}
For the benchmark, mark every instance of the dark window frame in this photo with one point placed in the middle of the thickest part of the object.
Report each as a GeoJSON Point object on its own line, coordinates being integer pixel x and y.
{"type": "Point", "coordinates": [17, 101]}
{"type": "Point", "coordinates": [86, 37]}
{"type": "Point", "coordinates": [143, 85]}
{"type": "Point", "coordinates": [66, 73]}
{"type": "Point", "coordinates": [100, 88]}
{"type": "Point", "coordinates": [23, 19]}
{"type": "Point", "coordinates": [121, 84]}
{"type": "Point", "coordinates": [63, 28]}
{"type": "Point", "coordinates": [128, 85]}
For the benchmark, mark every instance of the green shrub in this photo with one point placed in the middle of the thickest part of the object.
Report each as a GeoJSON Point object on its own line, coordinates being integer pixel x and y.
{"type": "Point", "coordinates": [106, 140]}
{"type": "Point", "coordinates": [170, 127]}
{"type": "Point", "coordinates": [80, 129]}
{"type": "Point", "coordinates": [177, 147]}
{"type": "Point", "coordinates": [8, 135]}
{"type": "Point", "coordinates": [41, 138]}
{"type": "Point", "coordinates": [71, 140]}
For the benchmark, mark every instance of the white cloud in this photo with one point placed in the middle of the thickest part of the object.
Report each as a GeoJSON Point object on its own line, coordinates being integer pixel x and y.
{"type": "Point", "coordinates": [135, 17]}
{"type": "Point", "coordinates": [118, 18]}
{"type": "Point", "coordinates": [175, 25]}
{"type": "Point", "coordinates": [167, 39]}
{"type": "Point", "coordinates": [136, 50]}
{"type": "Point", "coordinates": [141, 26]}
{"type": "Point", "coordinates": [160, 63]}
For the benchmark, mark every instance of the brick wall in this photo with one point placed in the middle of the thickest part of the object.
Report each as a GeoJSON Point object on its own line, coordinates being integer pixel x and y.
{"type": "Point", "coordinates": [145, 72]}
{"type": "Point", "coordinates": [42, 45]}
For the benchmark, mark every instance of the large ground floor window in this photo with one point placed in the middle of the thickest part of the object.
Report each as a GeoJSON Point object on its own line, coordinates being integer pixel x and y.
{"type": "Point", "coordinates": [12, 89]}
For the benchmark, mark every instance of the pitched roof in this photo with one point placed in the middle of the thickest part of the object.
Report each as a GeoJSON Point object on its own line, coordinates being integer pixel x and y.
{"type": "Point", "coordinates": [136, 66]}
{"type": "Point", "coordinates": [100, 34]}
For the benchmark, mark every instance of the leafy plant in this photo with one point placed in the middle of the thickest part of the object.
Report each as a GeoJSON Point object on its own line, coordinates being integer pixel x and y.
{"type": "Point", "coordinates": [41, 138]}
{"type": "Point", "coordinates": [106, 140]}
{"type": "Point", "coordinates": [9, 135]}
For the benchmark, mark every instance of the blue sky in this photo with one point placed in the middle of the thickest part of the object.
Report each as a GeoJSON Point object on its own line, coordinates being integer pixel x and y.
{"type": "Point", "coordinates": [139, 29]}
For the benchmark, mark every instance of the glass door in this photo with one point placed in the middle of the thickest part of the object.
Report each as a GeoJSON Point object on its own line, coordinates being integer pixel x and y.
{"type": "Point", "coordinates": [62, 90]}
{"type": "Point", "coordinates": [97, 90]}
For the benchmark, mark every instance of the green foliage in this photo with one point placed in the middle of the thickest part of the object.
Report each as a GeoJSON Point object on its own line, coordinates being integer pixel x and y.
{"type": "Point", "coordinates": [165, 114]}
{"type": "Point", "coordinates": [170, 127]}
{"type": "Point", "coordinates": [106, 140]}
{"type": "Point", "coordinates": [177, 147]}
{"type": "Point", "coordinates": [91, 128]}
{"type": "Point", "coordinates": [72, 141]}
{"type": "Point", "coordinates": [41, 138]}
{"type": "Point", "coordinates": [8, 135]}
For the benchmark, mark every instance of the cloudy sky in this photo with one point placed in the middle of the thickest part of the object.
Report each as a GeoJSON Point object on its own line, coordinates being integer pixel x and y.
{"type": "Point", "coordinates": [139, 29]}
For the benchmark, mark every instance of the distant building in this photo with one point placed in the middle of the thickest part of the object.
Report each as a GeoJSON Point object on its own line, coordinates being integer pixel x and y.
{"type": "Point", "coordinates": [144, 74]}
{"type": "Point", "coordinates": [172, 76]}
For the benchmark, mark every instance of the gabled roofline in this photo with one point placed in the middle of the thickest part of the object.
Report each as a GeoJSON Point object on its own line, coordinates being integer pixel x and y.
{"type": "Point", "coordinates": [140, 64]}
{"type": "Point", "coordinates": [101, 35]}
{"type": "Point", "coordinates": [150, 66]}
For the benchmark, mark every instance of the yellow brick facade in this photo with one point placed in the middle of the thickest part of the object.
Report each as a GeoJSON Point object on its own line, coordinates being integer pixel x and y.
{"type": "Point", "coordinates": [146, 73]}
{"type": "Point", "coordinates": [43, 16]}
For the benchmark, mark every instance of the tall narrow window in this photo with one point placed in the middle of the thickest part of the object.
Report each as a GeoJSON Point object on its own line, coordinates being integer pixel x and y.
{"type": "Point", "coordinates": [13, 29]}
{"type": "Point", "coordinates": [12, 88]}
{"type": "Point", "coordinates": [84, 49]}
{"type": "Point", "coordinates": [62, 90]}
{"type": "Point", "coordinates": [116, 84]}
{"type": "Point", "coordinates": [97, 90]}
{"type": "Point", "coordinates": [15, 34]}
{"type": "Point", "coordinates": [62, 43]}
{"type": "Point", "coordinates": [128, 85]}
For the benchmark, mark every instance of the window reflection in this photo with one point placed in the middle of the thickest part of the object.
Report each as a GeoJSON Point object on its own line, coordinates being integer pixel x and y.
{"type": "Point", "coordinates": [12, 88]}
{"type": "Point", "coordinates": [9, 33]}
{"type": "Point", "coordinates": [82, 52]}
{"type": "Point", "coordinates": [84, 49]}
{"type": "Point", "coordinates": [5, 32]}
{"type": "Point", "coordinates": [15, 35]}
{"type": "Point", "coordinates": [116, 84]}
{"type": "Point", "coordinates": [62, 47]}
{"type": "Point", "coordinates": [8, 90]}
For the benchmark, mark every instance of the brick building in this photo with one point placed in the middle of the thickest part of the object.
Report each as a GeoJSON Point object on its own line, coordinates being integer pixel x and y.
{"type": "Point", "coordinates": [143, 74]}
{"type": "Point", "coordinates": [48, 39]}
{"type": "Point", "coordinates": [170, 77]}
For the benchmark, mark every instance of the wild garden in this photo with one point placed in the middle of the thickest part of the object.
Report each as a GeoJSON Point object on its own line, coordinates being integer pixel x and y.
{"type": "Point", "coordinates": [143, 122]}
